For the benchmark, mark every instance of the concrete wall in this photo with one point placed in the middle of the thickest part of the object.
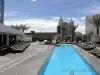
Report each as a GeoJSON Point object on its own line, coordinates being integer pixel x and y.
{"type": "Point", "coordinates": [28, 38]}
{"type": "Point", "coordinates": [19, 38]}
{"type": "Point", "coordinates": [95, 38]}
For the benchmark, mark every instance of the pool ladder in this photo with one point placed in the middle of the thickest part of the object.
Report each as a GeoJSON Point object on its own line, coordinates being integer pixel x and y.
{"type": "Point", "coordinates": [72, 72]}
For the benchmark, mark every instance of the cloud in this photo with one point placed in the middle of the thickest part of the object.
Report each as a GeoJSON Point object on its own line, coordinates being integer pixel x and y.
{"type": "Point", "coordinates": [81, 29]}
{"type": "Point", "coordinates": [90, 10]}
{"type": "Point", "coordinates": [55, 18]}
{"type": "Point", "coordinates": [10, 13]}
{"type": "Point", "coordinates": [44, 25]}
{"type": "Point", "coordinates": [81, 26]}
{"type": "Point", "coordinates": [83, 18]}
{"type": "Point", "coordinates": [39, 25]}
{"type": "Point", "coordinates": [96, 7]}
{"type": "Point", "coordinates": [34, 0]}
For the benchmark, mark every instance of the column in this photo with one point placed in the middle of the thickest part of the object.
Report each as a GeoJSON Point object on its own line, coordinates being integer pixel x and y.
{"type": "Point", "coordinates": [2, 38]}
{"type": "Point", "coordinates": [16, 38]}
{"type": "Point", "coordinates": [7, 39]}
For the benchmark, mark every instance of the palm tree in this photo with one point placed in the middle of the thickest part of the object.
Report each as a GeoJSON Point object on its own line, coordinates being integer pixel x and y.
{"type": "Point", "coordinates": [21, 27]}
{"type": "Point", "coordinates": [24, 27]}
{"type": "Point", "coordinates": [16, 27]}
{"type": "Point", "coordinates": [73, 32]}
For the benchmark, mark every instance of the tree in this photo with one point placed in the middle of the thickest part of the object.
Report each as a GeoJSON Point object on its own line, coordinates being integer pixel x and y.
{"type": "Point", "coordinates": [21, 27]}
{"type": "Point", "coordinates": [33, 32]}
{"type": "Point", "coordinates": [96, 22]}
{"type": "Point", "coordinates": [24, 27]}
{"type": "Point", "coordinates": [73, 32]}
{"type": "Point", "coordinates": [16, 27]}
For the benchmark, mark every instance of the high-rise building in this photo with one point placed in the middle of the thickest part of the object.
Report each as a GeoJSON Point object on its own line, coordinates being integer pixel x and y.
{"type": "Point", "coordinates": [66, 29]}
{"type": "Point", "coordinates": [1, 11]}
{"type": "Point", "coordinates": [90, 28]}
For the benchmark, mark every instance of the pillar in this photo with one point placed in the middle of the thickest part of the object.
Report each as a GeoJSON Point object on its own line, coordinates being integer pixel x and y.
{"type": "Point", "coordinates": [7, 39]}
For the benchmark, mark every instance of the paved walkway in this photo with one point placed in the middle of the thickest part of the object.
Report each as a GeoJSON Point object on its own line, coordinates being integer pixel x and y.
{"type": "Point", "coordinates": [26, 63]}
{"type": "Point", "coordinates": [91, 59]}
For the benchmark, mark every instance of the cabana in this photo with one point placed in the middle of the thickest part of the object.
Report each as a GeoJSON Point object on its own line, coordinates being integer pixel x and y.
{"type": "Point", "coordinates": [9, 35]}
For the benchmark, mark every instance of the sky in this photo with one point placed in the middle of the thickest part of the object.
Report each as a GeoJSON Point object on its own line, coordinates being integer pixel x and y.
{"type": "Point", "coordinates": [43, 15]}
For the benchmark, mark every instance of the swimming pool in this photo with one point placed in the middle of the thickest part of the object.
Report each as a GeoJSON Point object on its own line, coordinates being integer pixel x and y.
{"type": "Point", "coordinates": [65, 60]}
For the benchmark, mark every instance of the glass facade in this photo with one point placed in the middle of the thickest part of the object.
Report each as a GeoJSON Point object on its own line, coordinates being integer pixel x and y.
{"type": "Point", "coordinates": [1, 11]}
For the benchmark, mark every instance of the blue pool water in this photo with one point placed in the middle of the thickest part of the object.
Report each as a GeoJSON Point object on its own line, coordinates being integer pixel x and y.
{"type": "Point", "coordinates": [65, 60]}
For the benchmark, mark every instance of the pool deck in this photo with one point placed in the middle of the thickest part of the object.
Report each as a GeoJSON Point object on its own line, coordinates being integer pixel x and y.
{"type": "Point", "coordinates": [91, 59]}
{"type": "Point", "coordinates": [40, 52]}
{"type": "Point", "coordinates": [27, 63]}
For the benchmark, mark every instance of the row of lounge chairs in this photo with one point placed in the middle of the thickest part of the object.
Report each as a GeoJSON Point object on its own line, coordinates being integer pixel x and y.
{"type": "Point", "coordinates": [90, 48]}
{"type": "Point", "coordinates": [85, 46]}
{"type": "Point", "coordinates": [19, 47]}
{"type": "Point", "coordinates": [96, 53]}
